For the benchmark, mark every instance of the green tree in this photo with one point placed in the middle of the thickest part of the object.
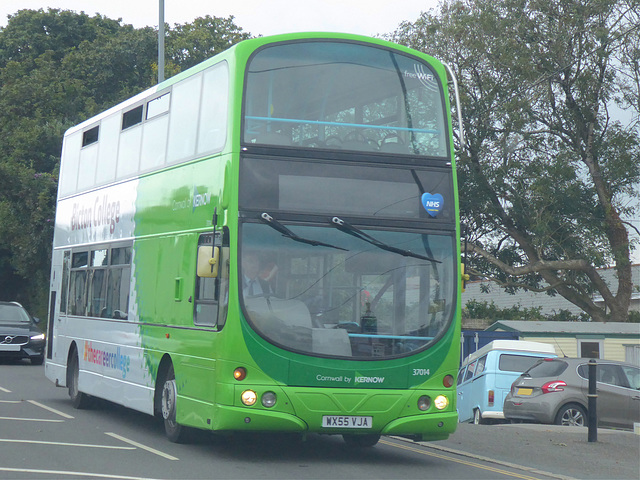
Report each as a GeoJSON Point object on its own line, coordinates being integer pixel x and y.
{"type": "Point", "coordinates": [191, 43]}
{"type": "Point", "coordinates": [58, 68]}
{"type": "Point", "coordinates": [476, 309]}
{"type": "Point", "coordinates": [545, 172]}
{"type": "Point", "coordinates": [37, 103]}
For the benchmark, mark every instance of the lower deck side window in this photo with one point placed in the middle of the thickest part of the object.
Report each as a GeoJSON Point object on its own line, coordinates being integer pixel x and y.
{"type": "Point", "coordinates": [97, 289]}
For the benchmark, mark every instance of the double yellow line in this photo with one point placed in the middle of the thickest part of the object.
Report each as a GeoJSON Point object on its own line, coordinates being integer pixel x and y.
{"type": "Point", "coordinates": [461, 461]}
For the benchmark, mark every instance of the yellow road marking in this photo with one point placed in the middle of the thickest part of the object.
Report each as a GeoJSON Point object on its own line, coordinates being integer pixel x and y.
{"type": "Point", "coordinates": [457, 460]}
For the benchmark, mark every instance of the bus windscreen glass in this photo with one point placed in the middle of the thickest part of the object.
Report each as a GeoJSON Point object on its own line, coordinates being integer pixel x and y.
{"type": "Point", "coordinates": [345, 96]}
{"type": "Point", "coordinates": [347, 297]}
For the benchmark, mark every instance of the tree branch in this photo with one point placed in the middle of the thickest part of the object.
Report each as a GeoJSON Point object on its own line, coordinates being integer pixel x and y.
{"type": "Point", "coordinates": [536, 267]}
{"type": "Point", "coordinates": [548, 269]}
{"type": "Point", "coordinates": [627, 223]}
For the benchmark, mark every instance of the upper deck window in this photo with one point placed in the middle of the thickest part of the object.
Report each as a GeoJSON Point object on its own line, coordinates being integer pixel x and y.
{"type": "Point", "coordinates": [132, 117]}
{"type": "Point", "coordinates": [158, 106]}
{"type": "Point", "coordinates": [90, 136]}
{"type": "Point", "coordinates": [345, 96]}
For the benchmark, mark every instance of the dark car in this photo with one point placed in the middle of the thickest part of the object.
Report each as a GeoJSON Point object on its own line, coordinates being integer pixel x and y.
{"type": "Point", "coordinates": [19, 335]}
{"type": "Point", "coordinates": [555, 391]}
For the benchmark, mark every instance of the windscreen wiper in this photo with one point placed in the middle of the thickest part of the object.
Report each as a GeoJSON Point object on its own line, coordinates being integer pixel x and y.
{"type": "Point", "coordinates": [356, 232]}
{"type": "Point", "coordinates": [276, 225]}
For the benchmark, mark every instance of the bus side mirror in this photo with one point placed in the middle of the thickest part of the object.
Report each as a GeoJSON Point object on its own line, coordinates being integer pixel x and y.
{"type": "Point", "coordinates": [208, 261]}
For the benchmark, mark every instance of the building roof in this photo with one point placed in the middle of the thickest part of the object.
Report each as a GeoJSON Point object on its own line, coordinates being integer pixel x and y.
{"type": "Point", "coordinates": [567, 328]}
{"type": "Point", "coordinates": [490, 292]}
{"type": "Point", "coordinates": [512, 345]}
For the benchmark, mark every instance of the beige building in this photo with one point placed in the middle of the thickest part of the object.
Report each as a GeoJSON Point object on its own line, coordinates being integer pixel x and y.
{"type": "Point", "coordinates": [611, 341]}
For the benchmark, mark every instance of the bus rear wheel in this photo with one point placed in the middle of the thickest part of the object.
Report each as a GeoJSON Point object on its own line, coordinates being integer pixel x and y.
{"type": "Point", "coordinates": [79, 400]}
{"type": "Point", "coordinates": [175, 432]}
{"type": "Point", "coordinates": [368, 440]}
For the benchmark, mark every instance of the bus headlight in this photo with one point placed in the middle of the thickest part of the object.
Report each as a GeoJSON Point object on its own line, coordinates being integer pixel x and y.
{"type": "Point", "coordinates": [441, 402]}
{"type": "Point", "coordinates": [248, 397]}
{"type": "Point", "coordinates": [424, 403]}
{"type": "Point", "coordinates": [269, 399]}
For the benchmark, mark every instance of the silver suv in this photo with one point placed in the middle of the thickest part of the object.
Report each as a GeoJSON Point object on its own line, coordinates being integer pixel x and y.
{"type": "Point", "coordinates": [555, 391]}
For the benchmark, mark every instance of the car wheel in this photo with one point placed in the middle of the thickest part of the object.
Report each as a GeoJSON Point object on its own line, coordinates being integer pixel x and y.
{"type": "Point", "coordinates": [368, 440]}
{"type": "Point", "coordinates": [79, 400]}
{"type": "Point", "coordinates": [571, 415]}
{"type": "Point", "coordinates": [175, 432]}
{"type": "Point", "coordinates": [477, 417]}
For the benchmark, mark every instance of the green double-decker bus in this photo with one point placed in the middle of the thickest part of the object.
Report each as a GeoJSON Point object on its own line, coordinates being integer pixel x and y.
{"type": "Point", "coordinates": [268, 241]}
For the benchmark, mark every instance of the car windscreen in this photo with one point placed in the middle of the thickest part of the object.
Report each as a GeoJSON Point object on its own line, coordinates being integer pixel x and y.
{"type": "Point", "coordinates": [546, 368]}
{"type": "Point", "coordinates": [11, 314]}
{"type": "Point", "coordinates": [516, 363]}
{"type": "Point", "coordinates": [461, 375]}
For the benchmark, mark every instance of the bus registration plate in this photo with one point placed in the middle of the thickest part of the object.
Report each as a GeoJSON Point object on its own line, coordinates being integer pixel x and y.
{"type": "Point", "coordinates": [346, 421]}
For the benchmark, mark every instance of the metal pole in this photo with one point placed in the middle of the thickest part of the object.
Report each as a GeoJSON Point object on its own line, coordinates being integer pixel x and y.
{"type": "Point", "coordinates": [161, 41]}
{"type": "Point", "coordinates": [592, 416]}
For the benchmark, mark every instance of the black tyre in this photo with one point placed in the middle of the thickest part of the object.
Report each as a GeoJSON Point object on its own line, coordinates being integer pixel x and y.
{"type": "Point", "coordinates": [175, 432]}
{"type": "Point", "coordinates": [572, 415]}
{"type": "Point", "coordinates": [477, 417]}
{"type": "Point", "coordinates": [368, 440]}
{"type": "Point", "coordinates": [79, 400]}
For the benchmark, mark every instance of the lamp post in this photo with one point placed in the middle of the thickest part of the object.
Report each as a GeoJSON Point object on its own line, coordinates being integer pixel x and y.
{"type": "Point", "coordinates": [161, 41]}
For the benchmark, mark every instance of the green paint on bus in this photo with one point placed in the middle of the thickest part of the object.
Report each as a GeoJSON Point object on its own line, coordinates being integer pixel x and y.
{"type": "Point", "coordinates": [314, 173]}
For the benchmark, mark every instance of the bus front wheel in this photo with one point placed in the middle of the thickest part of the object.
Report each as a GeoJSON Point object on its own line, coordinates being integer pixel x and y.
{"type": "Point", "coordinates": [175, 432]}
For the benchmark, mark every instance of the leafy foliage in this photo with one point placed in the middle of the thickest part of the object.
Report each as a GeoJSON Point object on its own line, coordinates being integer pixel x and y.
{"type": "Point", "coordinates": [476, 309]}
{"type": "Point", "coordinates": [191, 43]}
{"type": "Point", "coordinates": [58, 68]}
{"type": "Point", "coordinates": [545, 173]}
{"type": "Point", "coordinates": [485, 310]}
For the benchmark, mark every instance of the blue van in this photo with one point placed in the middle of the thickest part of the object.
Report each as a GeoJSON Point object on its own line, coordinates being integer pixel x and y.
{"type": "Point", "coordinates": [486, 375]}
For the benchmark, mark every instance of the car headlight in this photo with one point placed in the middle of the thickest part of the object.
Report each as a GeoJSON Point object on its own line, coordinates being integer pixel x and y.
{"type": "Point", "coordinates": [37, 337]}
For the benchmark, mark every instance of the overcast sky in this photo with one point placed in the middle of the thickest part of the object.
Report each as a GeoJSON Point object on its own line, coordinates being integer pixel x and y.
{"type": "Point", "coordinates": [258, 17]}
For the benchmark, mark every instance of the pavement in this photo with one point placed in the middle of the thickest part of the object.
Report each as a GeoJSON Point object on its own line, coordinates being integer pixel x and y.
{"type": "Point", "coordinates": [550, 450]}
